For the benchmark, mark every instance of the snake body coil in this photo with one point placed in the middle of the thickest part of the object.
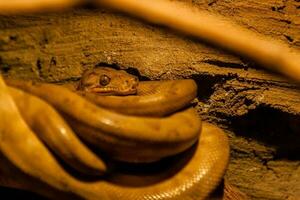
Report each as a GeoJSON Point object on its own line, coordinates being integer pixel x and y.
{"type": "Point", "coordinates": [54, 131]}
{"type": "Point", "coordinates": [105, 128]}
{"type": "Point", "coordinates": [195, 173]}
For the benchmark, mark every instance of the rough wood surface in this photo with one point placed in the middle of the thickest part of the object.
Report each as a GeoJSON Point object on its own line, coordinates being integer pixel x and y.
{"type": "Point", "coordinates": [259, 110]}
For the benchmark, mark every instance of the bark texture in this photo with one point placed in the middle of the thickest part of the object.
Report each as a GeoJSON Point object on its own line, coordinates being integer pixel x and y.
{"type": "Point", "coordinates": [260, 111]}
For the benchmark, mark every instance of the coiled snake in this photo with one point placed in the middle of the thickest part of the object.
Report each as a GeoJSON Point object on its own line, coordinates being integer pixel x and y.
{"type": "Point", "coordinates": [142, 128]}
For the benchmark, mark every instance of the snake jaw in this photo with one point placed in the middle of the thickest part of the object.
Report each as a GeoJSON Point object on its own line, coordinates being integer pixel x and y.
{"type": "Point", "coordinates": [113, 91]}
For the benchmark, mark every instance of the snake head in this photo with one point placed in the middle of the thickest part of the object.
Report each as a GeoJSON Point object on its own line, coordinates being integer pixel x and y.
{"type": "Point", "coordinates": [108, 81]}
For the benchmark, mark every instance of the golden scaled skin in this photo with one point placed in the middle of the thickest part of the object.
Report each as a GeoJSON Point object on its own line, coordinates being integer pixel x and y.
{"type": "Point", "coordinates": [21, 147]}
{"type": "Point", "coordinates": [154, 98]}
{"type": "Point", "coordinates": [193, 176]}
{"type": "Point", "coordinates": [52, 129]}
{"type": "Point", "coordinates": [200, 170]}
{"type": "Point", "coordinates": [200, 174]}
{"type": "Point", "coordinates": [135, 137]}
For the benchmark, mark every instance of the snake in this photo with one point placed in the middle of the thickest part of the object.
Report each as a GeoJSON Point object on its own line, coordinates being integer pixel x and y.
{"type": "Point", "coordinates": [51, 128]}
{"type": "Point", "coordinates": [199, 151]}
{"type": "Point", "coordinates": [128, 132]}
{"type": "Point", "coordinates": [148, 98]}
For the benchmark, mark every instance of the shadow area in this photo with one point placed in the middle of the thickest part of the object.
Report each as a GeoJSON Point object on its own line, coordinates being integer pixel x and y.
{"type": "Point", "coordinates": [140, 175]}
{"type": "Point", "coordinates": [272, 127]}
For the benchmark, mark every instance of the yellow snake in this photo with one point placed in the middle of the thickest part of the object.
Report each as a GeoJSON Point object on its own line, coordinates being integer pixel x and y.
{"type": "Point", "coordinates": [157, 132]}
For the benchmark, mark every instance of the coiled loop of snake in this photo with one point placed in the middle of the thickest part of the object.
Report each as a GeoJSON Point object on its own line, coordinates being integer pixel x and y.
{"type": "Point", "coordinates": [135, 137]}
{"type": "Point", "coordinates": [193, 179]}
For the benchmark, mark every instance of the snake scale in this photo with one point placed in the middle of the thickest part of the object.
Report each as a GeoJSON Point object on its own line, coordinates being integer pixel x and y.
{"type": "Point", "coordinates": [145, 123]}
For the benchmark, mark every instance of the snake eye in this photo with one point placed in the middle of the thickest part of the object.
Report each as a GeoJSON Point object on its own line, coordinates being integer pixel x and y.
{"type": "Point", "coordinates": [104, 80]}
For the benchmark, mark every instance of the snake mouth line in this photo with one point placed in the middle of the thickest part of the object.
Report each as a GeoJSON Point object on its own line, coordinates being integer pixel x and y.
{"type": "Point", "coordinates": [112, 91]}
